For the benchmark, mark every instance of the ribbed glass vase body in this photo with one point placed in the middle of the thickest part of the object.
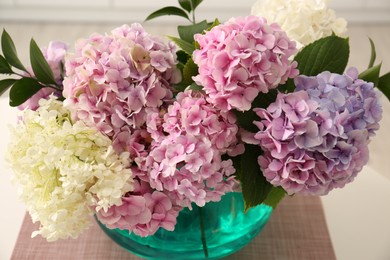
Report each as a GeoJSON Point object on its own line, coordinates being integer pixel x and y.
{"type": "Point", "coordinates": [211, 232]}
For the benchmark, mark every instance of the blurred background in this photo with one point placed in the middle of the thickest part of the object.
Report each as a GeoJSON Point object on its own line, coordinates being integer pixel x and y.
{"type": "Point", "coordinates": [125, 11]}
{"type": "Point", "coordinates": [357, 216]}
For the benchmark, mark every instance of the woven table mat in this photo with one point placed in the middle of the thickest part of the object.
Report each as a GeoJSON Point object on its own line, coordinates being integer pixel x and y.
{"type": "Point", "coordinates": [296, 230]}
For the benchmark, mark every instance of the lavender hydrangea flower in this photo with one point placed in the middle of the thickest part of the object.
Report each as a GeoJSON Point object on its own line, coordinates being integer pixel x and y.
{"type": "Point", "coordinates": [316, 139]}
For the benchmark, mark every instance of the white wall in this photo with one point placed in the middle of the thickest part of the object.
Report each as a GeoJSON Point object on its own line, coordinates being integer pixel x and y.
{"type": "Point", "coordinates": [355, 11]}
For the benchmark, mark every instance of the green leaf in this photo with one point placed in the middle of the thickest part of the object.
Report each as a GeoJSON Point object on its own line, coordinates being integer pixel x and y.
{"type": "Point", "coordinates": [245, 119]}
{"type": "Point", "coordinates": [275, 196]}
{"type": "Point", "coordinates": [169, 10]}
{"type": "Point", "coordinates": [215, 23]}
{"type": "Point", "coordinates": [195, 4]}
{"type": "Point", "coordinates": [190, 69]}
{"type": "Point", "coordinates": [39, 65]}
{"type": "Point", "coordinates": [185, 46]}
{"type": "Point", "coordinates": [182, 56]}
{"type": "Point", "coordinates": [9, 51]}
{"type": "Point", "coordinates": [373, 53]}
{"type": "Point", "coordinates": [187, 32]}
{"type": "Point", "coordinates": [384, 85]}
{"type": "Point", "coordinates": [371, 74]}
{"type": "Point", "coordinates": [186, 5]}
{"type": "Point", "coordinates": [264, 100]}
{"type": "Point", "coordinates": [288, 87]}
{"type": "Point", "coordinates": [237, 165]}
{"type": "Point", "coordinates": [5, 68]}
{"type": "Point", "coordinates": [189, 5]}
{"type": "Point", "coordinates": [5, 84]}
{"type": "Point", "coordinates": [180, 87]}
{"type": "Point", "coordinates": [255, 188]}
{"type": "Point", "coordinates": [327, 54]}
{"type": "Point", "coordinates": [22, 90]}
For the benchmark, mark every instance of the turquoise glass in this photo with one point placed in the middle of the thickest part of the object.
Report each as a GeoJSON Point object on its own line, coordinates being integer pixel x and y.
{"type": "Point", "coordinates": [210, 232]}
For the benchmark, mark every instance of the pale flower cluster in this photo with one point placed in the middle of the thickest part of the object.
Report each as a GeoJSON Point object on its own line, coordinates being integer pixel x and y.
{"type": "Point", "coordinates": [65, 171]}
{"type": "Point", "coordinates": [304, 21]}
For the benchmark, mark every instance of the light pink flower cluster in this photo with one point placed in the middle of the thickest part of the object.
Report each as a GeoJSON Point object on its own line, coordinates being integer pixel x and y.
{"type": "Point", "coordinates": [112, 80]}
{"type": "Point", "coordinates": [54, 55]}
{"type": "Point", "coordinates": [192, 115]}
{"type": "Point", "coordinates": [316, 139]}
{"type": "Point", "coordinates": [143, 212]}
{"type": "Point", "coordinates": [240, 58]}
{"type": "Point", "coordinates": [187, 162]}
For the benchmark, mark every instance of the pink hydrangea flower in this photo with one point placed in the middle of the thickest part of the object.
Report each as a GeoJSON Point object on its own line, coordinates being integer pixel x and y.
{"type": "Point", "coordinates": [113, 79]}
{"type": "Point", "coordinates": [187, 162]}
{"type": "Point", "coordinates": [193, 115]}
{"type": "Point", "coordinates": [143, 212]}
{"type": "Point", "coordinates": [54, 55]}
{"type": "Point", "coordinates": [316, 139]}
{"type": "Point", "coordinates": [240, 58]}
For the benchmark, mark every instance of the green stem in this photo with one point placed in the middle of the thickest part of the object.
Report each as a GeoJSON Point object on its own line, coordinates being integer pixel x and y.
{"type": "Point", "coordinates": [23, 76]}
{"type": "Point", "coordinates": [193, 13]}
{"type": "Point", "coordinates": [56, 87]}
{"type": "Point", "coordinates": [202, 231]}
{"type": "Point", "coordinates": [193, 17]}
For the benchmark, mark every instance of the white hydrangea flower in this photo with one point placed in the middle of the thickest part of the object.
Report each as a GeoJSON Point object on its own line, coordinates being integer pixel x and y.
{"type": "Point", "coordinates": [65, 170]}
{"type": "Point", "coordinates": [304, 21]}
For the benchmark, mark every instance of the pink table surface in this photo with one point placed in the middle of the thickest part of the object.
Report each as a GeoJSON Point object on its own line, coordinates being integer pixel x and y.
{"type": "Point", "coordinates": [297, 230]}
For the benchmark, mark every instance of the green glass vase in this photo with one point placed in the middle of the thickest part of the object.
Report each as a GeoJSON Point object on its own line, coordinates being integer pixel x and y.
{"type": "Point", "coordinates": [216, 230]}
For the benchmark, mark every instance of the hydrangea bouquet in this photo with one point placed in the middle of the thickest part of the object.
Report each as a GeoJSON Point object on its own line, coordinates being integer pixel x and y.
{"type": "Point", "coordinates": [133, 128]}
